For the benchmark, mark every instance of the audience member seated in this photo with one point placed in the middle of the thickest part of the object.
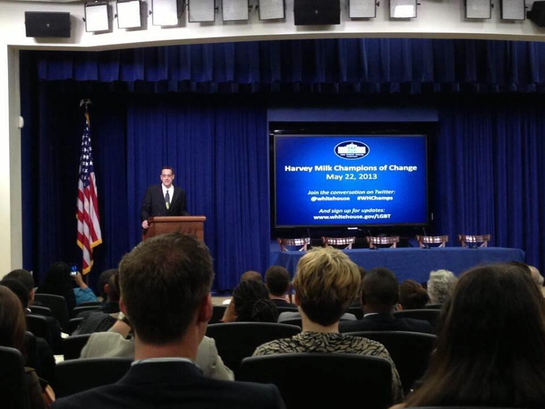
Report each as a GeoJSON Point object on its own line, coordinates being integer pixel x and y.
{"type": "Point", "coordinates": [45, 367]}
{"type": "Point", "coordinates": [12, 334]}
{"type": "Point", "coordinates": [251, 303]}
{"type": "Point", "coordinates": [536, 275]}
{"type": "Point", "coordinates": [251, 275]}
{"type": "Point", "coordinates": [110, 303]}
{"type": "Point", "coordinates": [491, 345]}
{"type": "Point", "coordinates": [325, 284]}
{"type": "Point", "coordinates": [24, 277]}
{"type": "Point", "coordinates": [379, 296]}
{"type": "Point", "coordinates": [165, 286]}
{"type": "Point", "coordinates": [277, 280]}
{"type": "Point", "coordinates": [356, 302]}
{"type": "Point", "coordinates": [530, 270]}
{"type": "Point", "coordinates": [412, 296]}
{"type": "Point", "coordinates": [118, 342]}
{"type": "Point", "coordinates": [98, 320]}
{"type": "Point", "coordinates": [58, 281]}
{"type": "Point", "coordinates": [440, 286]}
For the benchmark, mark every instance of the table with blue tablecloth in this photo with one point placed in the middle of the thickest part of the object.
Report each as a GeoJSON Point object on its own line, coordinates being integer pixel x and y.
{"type": "Point", "coordinates": [414, 263]}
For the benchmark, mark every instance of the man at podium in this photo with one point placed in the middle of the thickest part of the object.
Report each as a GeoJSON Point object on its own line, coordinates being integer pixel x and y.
{"type": "Point", "coordinates": [163, 199]}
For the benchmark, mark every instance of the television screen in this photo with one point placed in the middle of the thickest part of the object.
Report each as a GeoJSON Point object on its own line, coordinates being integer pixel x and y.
{"type": "Point", "coordinates": [349, 180]}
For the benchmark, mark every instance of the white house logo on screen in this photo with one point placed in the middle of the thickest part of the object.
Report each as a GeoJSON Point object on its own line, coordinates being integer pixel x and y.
{"type": "Point", "coordinates": [351, 150]}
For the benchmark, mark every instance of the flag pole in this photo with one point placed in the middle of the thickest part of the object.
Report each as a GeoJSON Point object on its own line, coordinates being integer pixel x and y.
{"type": "Point", "coordinates": [89, 232]}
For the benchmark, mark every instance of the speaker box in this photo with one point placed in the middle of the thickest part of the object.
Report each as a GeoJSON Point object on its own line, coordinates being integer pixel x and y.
{"type": "Point", "coordinates": [47, 24]}
{"type": "Point", "coordinates": [317, 12]}
{"type": "Point", "coordinates": [537, 14]}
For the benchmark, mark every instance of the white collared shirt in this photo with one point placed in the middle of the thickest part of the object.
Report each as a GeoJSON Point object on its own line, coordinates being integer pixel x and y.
{"type": "Point", "coordinates": [170, 191]}
{"type": "Point", "coordinates": [166, 359]}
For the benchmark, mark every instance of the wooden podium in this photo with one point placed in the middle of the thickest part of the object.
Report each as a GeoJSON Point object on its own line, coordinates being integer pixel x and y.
{"type": "Point", "coordinates": [193, 225]}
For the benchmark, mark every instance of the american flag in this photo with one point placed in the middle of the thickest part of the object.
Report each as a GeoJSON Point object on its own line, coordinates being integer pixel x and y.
{"type": "Point", "coordinates": [89, 234]}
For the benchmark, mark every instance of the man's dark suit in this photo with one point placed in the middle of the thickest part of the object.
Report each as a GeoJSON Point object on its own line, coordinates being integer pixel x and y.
{"type": "Point", "coordinates": [171, 385]}
{"type": "Point", "coordinates": [386, 322]}
{"type": "Point", "coordinates": [154, 203]}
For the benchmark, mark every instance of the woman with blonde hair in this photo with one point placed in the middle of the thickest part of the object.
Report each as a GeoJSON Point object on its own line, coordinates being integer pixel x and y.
{"type": "Point", "coordinates": [325, 285]}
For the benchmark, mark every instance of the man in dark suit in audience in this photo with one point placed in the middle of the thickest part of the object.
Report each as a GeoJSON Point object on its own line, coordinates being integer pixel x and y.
{"type": "Point", "coordinates": [277, 280]}
{"type": "Point", "coordinates": [164, 199]}
{"type": "Point", "coordinates": [165, 293]}
{"type": "Point", "coordinates": [379, 295]}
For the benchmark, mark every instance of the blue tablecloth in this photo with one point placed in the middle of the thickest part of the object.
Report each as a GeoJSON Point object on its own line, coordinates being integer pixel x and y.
{"type": "Point", "coordinates": [414, 263]}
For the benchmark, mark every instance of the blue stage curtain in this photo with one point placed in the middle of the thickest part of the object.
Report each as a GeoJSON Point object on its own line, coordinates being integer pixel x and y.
{"type": "Point", "coordinates": [52, 145]}
{"type": "Point", "coordinates": [412, 66]}
{"type": "Point", "coordinates": [489, 173]}
{"type": "Point", "coordinates": [219, 150]}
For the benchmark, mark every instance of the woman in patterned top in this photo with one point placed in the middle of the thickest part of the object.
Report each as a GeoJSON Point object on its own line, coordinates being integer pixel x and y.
{"type": "Point", "coordinates": [327, 281]}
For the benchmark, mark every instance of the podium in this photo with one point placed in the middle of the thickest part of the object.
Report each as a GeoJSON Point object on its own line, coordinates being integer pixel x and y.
{"type": "Point", "coordinates": [193, 225]}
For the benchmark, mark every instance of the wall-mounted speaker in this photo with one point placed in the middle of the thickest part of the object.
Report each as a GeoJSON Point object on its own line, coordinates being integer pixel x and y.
{"type": "Point", "coordinates": [317, 12]}
{"type": "Point", "coordinates": [47, 24]}
{"type": "Point", "coordinates": [537, 14]}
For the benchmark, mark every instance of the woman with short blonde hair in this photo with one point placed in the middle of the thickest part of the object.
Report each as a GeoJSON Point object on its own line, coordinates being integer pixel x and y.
{"type": "Point", "coordinates": [326, 283]}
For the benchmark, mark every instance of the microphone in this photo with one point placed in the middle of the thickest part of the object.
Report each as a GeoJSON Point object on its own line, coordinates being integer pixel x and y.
{"type": "Point", "coordinates": [371, 246]}
{"type": "Point", "coordinates": [426, 245]}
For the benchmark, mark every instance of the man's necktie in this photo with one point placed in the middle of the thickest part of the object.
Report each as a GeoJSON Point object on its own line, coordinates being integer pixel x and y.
{"type": "Point", "coordinates": [167, 200]}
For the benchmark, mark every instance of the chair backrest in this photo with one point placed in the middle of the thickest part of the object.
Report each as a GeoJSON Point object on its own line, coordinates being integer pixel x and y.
{"type": "Point", "coordinates": [300, 244]}
{"type": "Point", "coordinates": [57, 303]}
{"type": "Point", "coordinates": [238, 340]}
{"type": "Point", "coordinates": [79, 375]}
{"type": "Point", "coordinates": [73, 324]}
{"type": "Point", "coordinates": [217, 313]}
{"type": "Point", "coordinates": [426, 314]}
{"type": "Point", "coordinates": [387, 241]}
{"type": "Point", "coordinates": [286, 309]}
{"type": "Point", "coordinates": [31, 352]}
{"type": "Point", "coordinates": [298, 322]}
{"type": "Point", "coordinates": [13, 389]}
{"type": "Point", "coordinates": [37, 324]}
{"type": "Point", "coordinates": [410, 351]}
{"type": "Point", "coordinates": [429, 241]}
{"type": "Point", "coordinates": [73, 345]}
{"type": "Point", "coordinates": [80, 309]}
{"type": "Point", "coordinates": [474, 240]}
{"type": "Point", "coordinates": [433, 306]}
{"type": "Point", "coordinates": [357, 311]}
{"type": "Point", "coordinates": [41, 310]}
{"type": "Point", "coordinates": [340, 242]}
{"type": "Point", "coordinates": [90, 304]}
{"type": "Point", "coordinates": [308, 380]}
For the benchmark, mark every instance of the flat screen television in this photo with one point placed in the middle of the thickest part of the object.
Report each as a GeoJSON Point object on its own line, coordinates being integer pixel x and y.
{"type": "Point", "coordinates": [349, 180]}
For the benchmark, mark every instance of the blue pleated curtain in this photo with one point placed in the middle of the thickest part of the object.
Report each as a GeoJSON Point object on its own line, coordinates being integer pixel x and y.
{"type": "Point", "coordinates": [340, 65]}
{"type": "Point", "coordinates": [203, 110]}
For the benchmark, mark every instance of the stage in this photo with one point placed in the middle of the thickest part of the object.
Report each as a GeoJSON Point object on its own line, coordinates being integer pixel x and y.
{"type": "Point", "coordinates": [414, 263]}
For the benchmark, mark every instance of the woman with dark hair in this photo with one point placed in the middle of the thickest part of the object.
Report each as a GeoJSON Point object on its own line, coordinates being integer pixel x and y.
{"type": "Point", "coordinates": [252, 303]}
{"type": "Point", "coordinates": [12, 334]}
{"type": "Point", "coordinates": [412, 295]}
{"type": "Point", "coordinates": [58, 281]}
{"type": "Point", "coordinates": [491, 344]}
